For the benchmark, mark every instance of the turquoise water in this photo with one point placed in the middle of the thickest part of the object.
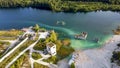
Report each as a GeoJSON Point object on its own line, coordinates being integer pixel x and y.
{"type": "Point", "coordinates": [77, 44]}
{"type": "Point", "coordinates": [97, 24]}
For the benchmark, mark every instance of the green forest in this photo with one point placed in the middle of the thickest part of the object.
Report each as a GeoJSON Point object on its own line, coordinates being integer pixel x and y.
{"type": "Point", "coordinates": [64, 5]}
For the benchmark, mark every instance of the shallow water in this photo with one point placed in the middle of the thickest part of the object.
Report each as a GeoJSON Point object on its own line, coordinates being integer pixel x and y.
{"type": "Point", "coordinates": [97, 24]}
{"type": "Point", "coordinates": [97, 57]}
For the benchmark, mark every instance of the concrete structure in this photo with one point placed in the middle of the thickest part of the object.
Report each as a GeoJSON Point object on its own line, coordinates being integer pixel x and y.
{"type": "Point", "coordinates": [51, 48]}
{"type": "Point", "coordinates": [32, 36]}
{"type": "Point", "coordinates": [29, 32]}
{"type": "Point", "coordinates": [44, 35]}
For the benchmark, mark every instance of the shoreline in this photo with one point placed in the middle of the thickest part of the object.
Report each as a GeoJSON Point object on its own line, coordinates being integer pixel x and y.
{"type": "Point", "coordinates": [55, 11]}
{"type": "Point", "coordinates": [98, 57]}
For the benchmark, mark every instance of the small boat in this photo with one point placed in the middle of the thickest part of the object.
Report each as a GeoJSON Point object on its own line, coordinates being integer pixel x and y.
{"type": "Point", "coordinates": [82, 36]}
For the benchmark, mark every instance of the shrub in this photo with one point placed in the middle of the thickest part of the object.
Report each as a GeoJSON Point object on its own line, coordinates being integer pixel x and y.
{"type": "Point", "coordinates": [118, 45]}
{"type": "Point", "coordinates": [66, 42]}
{"type": "Point", "coordinates": [72, 65]}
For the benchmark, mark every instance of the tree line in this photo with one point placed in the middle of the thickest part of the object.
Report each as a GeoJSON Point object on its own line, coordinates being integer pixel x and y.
{"type": "Point", "coordinates": [64, 5]}
{"type": "Point", "coordinates": [104, 1]}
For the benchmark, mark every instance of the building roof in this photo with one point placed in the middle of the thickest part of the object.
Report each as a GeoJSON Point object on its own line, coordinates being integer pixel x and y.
{"type": "Point", "coordinates": [50, 44]}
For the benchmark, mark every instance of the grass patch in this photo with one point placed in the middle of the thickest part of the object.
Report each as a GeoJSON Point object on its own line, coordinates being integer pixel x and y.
{"type": "Point", "coordinates": [15, 53]}
{"type": "Point", "coordinates": [22, 61]}
{"type": "Point", "coordinates": [64, 52]}
{"type": "Point", "coordinates": [7, 38]}
{"type": "Point", "coordinates": [36, 65]}
{"type": "Point", "coordinates": [36, 55]}
{"type": "Point", "coordinates": [41, 45]}
{"type": "Point", "coordinates": [10, 33]}
{"type": "Point", "coordinates": [4, 43]}
{"type": "Point", "coordinates": [52, 59]}
{"type": "Point", "coordinates": [3, 46]}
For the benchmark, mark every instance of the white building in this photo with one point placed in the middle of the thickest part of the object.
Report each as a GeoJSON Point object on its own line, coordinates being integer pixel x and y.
{"type": "Point", "coordinates": [51, 48]}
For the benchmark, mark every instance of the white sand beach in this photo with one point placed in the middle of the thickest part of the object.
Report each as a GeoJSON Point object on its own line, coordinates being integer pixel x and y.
{"type": "Point", "coordinates": [98, 57]}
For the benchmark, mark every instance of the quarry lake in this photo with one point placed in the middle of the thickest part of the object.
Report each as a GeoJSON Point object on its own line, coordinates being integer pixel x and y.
{"type": "Point", "coordinates": [97, 24]}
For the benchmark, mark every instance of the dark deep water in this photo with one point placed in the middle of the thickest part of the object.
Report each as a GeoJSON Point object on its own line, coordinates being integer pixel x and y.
{"type": "Point", "coordinates": [98, 24]}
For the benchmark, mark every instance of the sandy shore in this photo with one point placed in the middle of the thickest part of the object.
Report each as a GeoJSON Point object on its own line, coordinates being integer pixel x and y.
{"type": "Point", "coordinates": [98, 57]}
